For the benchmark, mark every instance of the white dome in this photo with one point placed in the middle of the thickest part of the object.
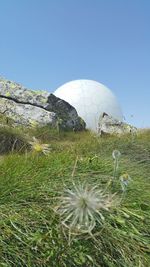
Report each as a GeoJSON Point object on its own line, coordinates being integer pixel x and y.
{"type": "Point", "coordinates": [90, 99]}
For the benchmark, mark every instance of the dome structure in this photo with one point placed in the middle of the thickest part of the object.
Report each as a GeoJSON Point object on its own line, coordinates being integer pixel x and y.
{"type": "Point", "coordinates": [91, 99]}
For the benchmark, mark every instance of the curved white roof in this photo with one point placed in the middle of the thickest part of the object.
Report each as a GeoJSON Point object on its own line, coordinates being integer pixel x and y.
{"type": "Point", "coordinates": [91, 99]}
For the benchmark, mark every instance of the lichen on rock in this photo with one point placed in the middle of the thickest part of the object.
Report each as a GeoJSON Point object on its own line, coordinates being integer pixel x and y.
{"type": "Point", "coordinates": [28, 107]}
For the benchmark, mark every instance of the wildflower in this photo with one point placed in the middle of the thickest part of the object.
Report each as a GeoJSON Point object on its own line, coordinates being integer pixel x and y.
{"type": "Point", "coordinates": [124, 181]}
{"type": "Point", "coordinates": [81, 207]}
{"type": "Point", "coordinates": [40, 148]}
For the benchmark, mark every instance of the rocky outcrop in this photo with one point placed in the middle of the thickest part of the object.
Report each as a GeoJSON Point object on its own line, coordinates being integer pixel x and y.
{"type": "Point", "coordinates": [110, 125]}
{"type": "Point", "coordinates": [28, 107]}
{"type": "Point", "coordinates": [65, 112]}
{"type": "Point", "coordinates": [25, 114]}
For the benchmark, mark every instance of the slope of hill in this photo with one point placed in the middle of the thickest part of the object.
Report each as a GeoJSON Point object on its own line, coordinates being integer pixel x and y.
{"type": "Point", "coordinates": [32, 233]}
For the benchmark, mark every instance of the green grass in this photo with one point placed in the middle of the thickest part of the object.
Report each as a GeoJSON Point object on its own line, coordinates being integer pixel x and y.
{"type": "Point", "coordinates": [31, 232]}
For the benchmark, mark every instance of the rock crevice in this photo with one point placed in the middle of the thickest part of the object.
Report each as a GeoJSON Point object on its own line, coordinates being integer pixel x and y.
{"type": "Point", "coordinates": [20, 102]}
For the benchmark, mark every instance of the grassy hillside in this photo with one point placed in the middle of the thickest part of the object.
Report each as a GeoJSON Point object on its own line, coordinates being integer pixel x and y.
{"type": "Point", "coordinates": [32, 233]}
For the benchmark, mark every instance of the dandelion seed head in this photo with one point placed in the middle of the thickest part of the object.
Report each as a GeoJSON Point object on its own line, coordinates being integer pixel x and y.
{"type": "Point", "coordinates": [82, 207]}
{"type": "Point", "coordinates": [116, 154]}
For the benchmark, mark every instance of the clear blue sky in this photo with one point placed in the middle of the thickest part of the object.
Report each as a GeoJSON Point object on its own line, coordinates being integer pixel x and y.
{"type": "Point", "coordinates": [45, 43]}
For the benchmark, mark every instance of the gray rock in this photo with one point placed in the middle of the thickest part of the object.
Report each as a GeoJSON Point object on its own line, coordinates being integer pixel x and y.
{"type": "Point", "coordinates": [25, 114]}
{"type": "Point", "coordinates": [66, 112]}
{"type": "Point", "coordinates": [28, 107]}
{"type": "Point", "coordinates": [110, 125]}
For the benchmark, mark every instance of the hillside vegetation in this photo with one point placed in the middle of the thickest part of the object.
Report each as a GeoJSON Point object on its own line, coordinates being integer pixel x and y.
{"type": "Point", "coordinates": [32, 232]}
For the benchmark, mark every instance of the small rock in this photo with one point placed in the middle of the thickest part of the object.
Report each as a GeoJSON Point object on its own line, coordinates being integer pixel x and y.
{"type": "Point", "coordinates": [109, 125]}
